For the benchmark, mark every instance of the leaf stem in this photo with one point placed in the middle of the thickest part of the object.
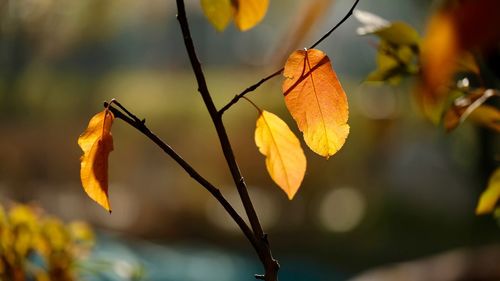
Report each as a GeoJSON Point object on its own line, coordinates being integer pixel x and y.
{"type": "Point", "coordinates": [254, 105]}
{"type": "Point", "coordinates": [277, 72]}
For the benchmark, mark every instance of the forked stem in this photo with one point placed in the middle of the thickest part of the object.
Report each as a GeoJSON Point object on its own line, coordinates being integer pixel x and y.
{"type": "Point", "coordinates": [277, 72]}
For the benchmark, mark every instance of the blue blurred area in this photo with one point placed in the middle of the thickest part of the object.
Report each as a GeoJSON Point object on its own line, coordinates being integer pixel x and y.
{"type": "Point", "coordinates": [115, 259]}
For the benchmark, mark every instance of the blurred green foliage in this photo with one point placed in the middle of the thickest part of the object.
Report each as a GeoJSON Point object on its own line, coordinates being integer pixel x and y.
{"type": "Point", "coordinates": [397, 53]}
{"type": "Point", "coordinates": [35, 246]}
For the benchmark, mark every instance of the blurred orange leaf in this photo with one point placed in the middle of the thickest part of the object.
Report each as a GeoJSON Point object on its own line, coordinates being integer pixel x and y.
{"type": "Point", "coordinates": [246, 13]}
{"type": "Point", "coordinates": [316, 100]}
{"type": "Point", "coordinates": [96, 143]}
{"type": "Point", "coordinates": [285, 159]}
{"type": "Point", "coordinates": [489, 197]}
{"type": "Point", "coordinates": [439, 52]}
{"type": "Point", "coordinates": [451, 32]}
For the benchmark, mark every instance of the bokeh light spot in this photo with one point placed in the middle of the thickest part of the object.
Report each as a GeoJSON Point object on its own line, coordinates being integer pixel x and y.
{"type": "Point", "coordinates": [342, 209]}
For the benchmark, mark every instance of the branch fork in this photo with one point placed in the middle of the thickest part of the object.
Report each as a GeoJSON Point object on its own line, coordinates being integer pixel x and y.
{"type": "Point", "coordinates": [254, 233]}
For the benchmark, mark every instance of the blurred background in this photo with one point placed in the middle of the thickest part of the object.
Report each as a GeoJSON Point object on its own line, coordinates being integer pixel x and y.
{"type": "Point", "coordinates": [399, 190]}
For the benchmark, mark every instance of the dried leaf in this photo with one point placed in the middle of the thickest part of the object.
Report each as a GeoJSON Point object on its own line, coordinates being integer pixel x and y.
{"type": "Point", "coordinates": [249, 12]}
{"type": "Point", "coordinates": [285, 160]}
{"type": "Point", "coordinates": [472, 105]}
{"type": "Point", "coordinates": [316, 100]}
{"type": "Point", "coordinates": [96, 143]}
{"type": "Point", "coordinates": [218, 12]}
{"type": "Point", "coordinates": [490, 196]}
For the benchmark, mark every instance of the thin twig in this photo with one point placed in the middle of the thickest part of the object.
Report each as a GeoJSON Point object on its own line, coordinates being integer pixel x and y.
{"type": "Point", "coordinates": [277, 72]}
{"type": "Point", "coordinates": [130, 114]}
{"type": "Point", "coordinates": [349, 13]}
{"type": "Point", "coordinates": [141, 127]}
{"type": "Point", "coordinates": [247, 90]}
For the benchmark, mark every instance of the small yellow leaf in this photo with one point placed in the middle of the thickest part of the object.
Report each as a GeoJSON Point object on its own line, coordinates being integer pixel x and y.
{"type": "Point", "coordinates": [218, 12]}
{"type": "Point", "coordinates": [490, 196]}
{"type": "Point", "coordinates": [96, 143]}
{"type": "Point", "coordinates": [246, 13]}
{"type": "Point", "coordinates": [316, 100]}
{"type": "Point", "coordinates": [285, 160]}
{"type": "Point", "coordinates": [249, 12]}
{"type": "Point", "coordinates": [399, 33]}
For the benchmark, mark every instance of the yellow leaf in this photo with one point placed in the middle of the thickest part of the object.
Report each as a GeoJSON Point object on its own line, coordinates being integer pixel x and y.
{"type": "Point", "coordinates": [399, 33]}
{"type": "Point", "coordinates": [249, 12]}
{"type": "Point", "coordinates": [316, 100]}
{"type": "Point", "coordinates": [96, 143]}
{"type": "Point", "coordinates": [246, 13]}
{"type": "Point", "coordinates": [489, 197]}
{"type": "Point", "coordinates": [218, 12]}
{"type": "Point", "coordinates": [488, 116]}
{"type": "Point", "coordinates": [285, 160]}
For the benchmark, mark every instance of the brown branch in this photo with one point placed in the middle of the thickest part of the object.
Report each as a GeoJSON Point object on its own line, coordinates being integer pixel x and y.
{"type": "Point", "coordinates": [271, 266]}
{"type": "Point", "coordinates": [277, 72]}
{"type": "Point", "coordinates": [140, 125]}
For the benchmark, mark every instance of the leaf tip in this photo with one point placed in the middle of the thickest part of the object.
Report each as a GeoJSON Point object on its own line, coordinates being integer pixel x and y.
{"type": "Point", "coordinates": [291, 195]}
{"type": "Point", "coordinates": [481, 209]}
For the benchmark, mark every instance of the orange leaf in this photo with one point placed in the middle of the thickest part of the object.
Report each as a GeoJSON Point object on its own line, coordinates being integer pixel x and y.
{"type": "Point", "coordinates": [285, 160]}
{"type": "Point", "coordinates": [249, 12]}
{"type": "Point", "coordinates": [316, 100]}
{"type": "Point", "coordinates": [96, 143]}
